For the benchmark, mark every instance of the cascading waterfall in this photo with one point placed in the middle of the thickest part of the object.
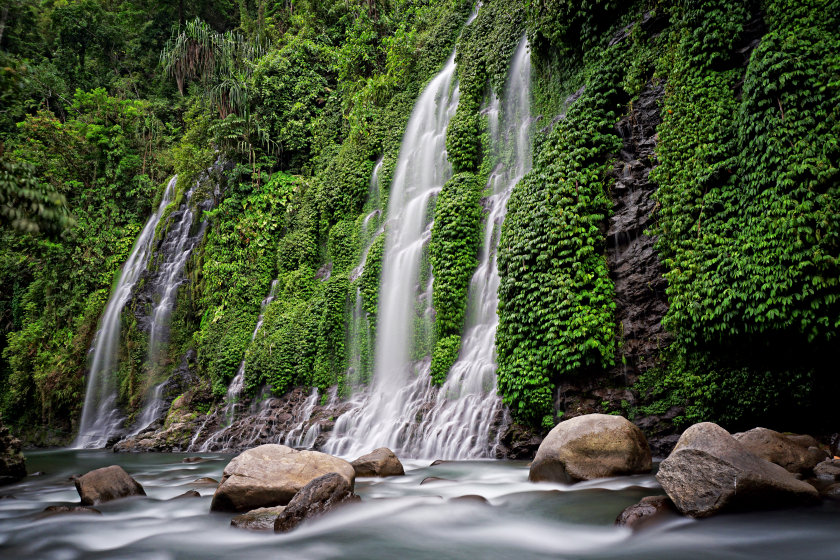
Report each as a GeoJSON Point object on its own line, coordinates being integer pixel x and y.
{"type": "Point", "coordinates": [172, 256]}
{"type": "Point", "coordinates": [151, 411]}
{"type": "Point", "coordinates": [237, 385]}
{"type": "Point", "coordinates": [422, 168]}
{"type": "Point", "coordinates": [100, 415]}
{"type": "Point", "coordinates": [457, 424]}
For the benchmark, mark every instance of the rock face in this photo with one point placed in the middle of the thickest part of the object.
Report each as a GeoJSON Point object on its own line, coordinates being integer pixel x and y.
{"type": "Point", "coordinates": [261, 519]}
{"type": "Point", "coordinates": [645, 512]}
{"type": "Point", "coordinates": [709, 472]}
{"type": "Point", "coordinates": [12, 463]}
{"type": "Point", "coordinates": [106, 484]}
{"type": "Point", "coordinates": [316, 498]}
{"type": "Point", "coordinates": [380, 462]}
{"type": "Point", "coordinates": [591, 446]}
{"type": "Point", "coordinates": [271, 475]}
{"type": "Point", "coordinates": [828, 470]}
{"type": "Point", "coordinates": [796, 454]}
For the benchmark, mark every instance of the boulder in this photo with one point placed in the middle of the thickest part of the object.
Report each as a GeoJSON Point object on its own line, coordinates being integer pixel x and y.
{"type": "Point", "coordinates": [261, 519]}
{"type": "Point", "coordinates": [828, 470]}
{"type": "Point", "coordinates": [270, 475]}
{"type": "Point", "coordinates": [796, 454]}
{"type": "Point", "coordinates": [709, 472]}
{"type": "Point", "coordinates": [316, 498]}
{"type": "Point", "coordinates": [380, 462]}
{"type": "Point", "coordinates": [65, 510]}
{"type": "Point", "coordinates": [187, 494]}
{"type": "Point", "coordinates": [646, 511]}
{"type": "Point", "coordinates": [106, 484]}
{"type": "Point", "coordinates": [589, 447]}
{"type": "Point", "coordinates": [12, 463]}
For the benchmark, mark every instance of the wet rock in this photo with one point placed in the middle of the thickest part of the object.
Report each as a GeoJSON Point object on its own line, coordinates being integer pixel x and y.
{"type": "Point", "coordinates": [261, 519]}
{"type": "Point", "coordinates": [318, 497]}
{"type": "Point", "coordinates": [834, 444]}
{"type": "Point", "coordinates": [473, 498]}
{"type": "Point", "coordinates": [647, 511]}
{"type": "Point", "coordinates": [589, 447]}
{"type": "Point", "coordinates": [271, 475]}
{"type": "Point", "coordinates": [517, 442]}
{"type": "Point", "coordinates": [833, 492]}
{"type": "Point", "coordinates": [796, 454]}
{"type": "Point", "coordinates": [37, 473]}
{"type": "Point", "coordinates": [7, 497]}
{"type": "Point", "coordinates": [187, 494]}
{"type": "Point", "coordinates": [430, 479]}
{"type": "Point", "coordinates": [381, 462]}
{"type": "Point", "coordinates": [74, 477]}
{"type": "Point", "coordinates": [710, 472]}
{"type": "Point", "coordinates": [828, 470]}
{"type": "Point", "coordinates": [205, 480]}
{"type": "Point", "coordinates": [193, 460]}
{"type": "Point", "coordinates": [438, 462]}
{"type": "Point", "coordinates": [65, 510]}
{"type": "Point", "coordinates": [12, 462]}
{"type": "Point", "coordinates": [106, 484]}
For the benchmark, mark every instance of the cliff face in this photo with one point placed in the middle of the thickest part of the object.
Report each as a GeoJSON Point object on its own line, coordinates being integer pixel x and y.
{"type": "Point", "coordinates": [12, 462]}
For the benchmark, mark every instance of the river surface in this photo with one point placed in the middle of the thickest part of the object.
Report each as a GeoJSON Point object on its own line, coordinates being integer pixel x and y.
{"type": "Point", "coordinates": [398, 518]}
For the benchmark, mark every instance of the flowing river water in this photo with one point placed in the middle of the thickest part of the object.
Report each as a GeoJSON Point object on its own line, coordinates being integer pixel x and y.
{"type": "Point", "coordinates": [397, 518]}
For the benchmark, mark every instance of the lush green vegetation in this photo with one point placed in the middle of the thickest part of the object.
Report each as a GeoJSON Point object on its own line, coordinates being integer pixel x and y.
{"type": "Point", "coordinates": [292, 106]}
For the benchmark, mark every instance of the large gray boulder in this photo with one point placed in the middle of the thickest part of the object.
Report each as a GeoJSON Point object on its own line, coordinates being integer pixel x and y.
{"type": "Point", "coordinates": [271, 475]}
{"type": "Point", "coordinates": [261, 519]}
{"type": "Point", "coordinates": [589, 447]}
{"type": "Point", "coordinates": [316, 498]}
{"type": "Point", "coordinates": [380, 462]}
{"type": "Point", "coordinates": [796, 454]}
{"type": "Point", "coordinates": [709, 472]}
{"type": "Point", "coordinates": [106, 484]}
{"type": "Point", "coordinates": [12, 463]}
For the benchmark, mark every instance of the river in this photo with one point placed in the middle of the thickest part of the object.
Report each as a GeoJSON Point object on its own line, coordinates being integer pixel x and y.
{"type": "Point", "coordinates": [398, 518]}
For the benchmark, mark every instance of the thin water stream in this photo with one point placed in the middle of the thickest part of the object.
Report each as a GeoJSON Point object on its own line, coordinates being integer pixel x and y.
{"type": "Point", "coordinates": [397, 518]}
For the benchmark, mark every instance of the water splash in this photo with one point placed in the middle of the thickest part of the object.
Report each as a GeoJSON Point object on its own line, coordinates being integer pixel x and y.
{"type": "Point", "coordinates": [100, 415]}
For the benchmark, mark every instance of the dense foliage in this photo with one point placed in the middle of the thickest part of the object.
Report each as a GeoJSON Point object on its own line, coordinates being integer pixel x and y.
{"type": "Point", "coordinates": [284, 121]}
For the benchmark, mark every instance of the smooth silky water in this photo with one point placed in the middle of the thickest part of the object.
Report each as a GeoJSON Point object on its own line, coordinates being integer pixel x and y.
{"type": "Point", "coordinates": [397, 518]}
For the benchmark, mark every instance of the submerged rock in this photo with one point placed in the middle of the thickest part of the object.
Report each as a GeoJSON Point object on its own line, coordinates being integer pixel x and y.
{"type": "Point", "coordinates": [106, 484]}
{"type": "Point", "coordinates": [833, 492]}
{"type": "Point", "coordinates": [261, 519]}
{"type": "Point", "coordinates": [475, 498]}
{"type": "Point", "coordinates": [709, 473]}
{"type": "Point", "coordinates": [796, 454]}
{"type": "Point", "coordinates": [271, 475]}
{"type": "Point", "coordinates": [205, 480]}
{"type": "Point", "coordinates": [828, 470]}
{"type": "Point", "coordinates": [316, 498]}
{"type": "Point", "coordinates": [430, 479]}
{"type": "Point", "coordinates": [193, 460]}
{"type": "Point", "coordinates": [380, 462]}
{"type": "Point", "coordinates": [12, 462]}
{"type": "Point", "coordinates": [64, 510]}
{"type": "Point", "coordinates": [187, 494]}
{"type": "Point", "coordinates": [589, 447]}
{"type": "Point", "coordinates": [647, 511]}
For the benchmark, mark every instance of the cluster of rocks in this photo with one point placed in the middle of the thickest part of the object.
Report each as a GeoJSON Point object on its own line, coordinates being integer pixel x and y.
{"type": "Point", "coordinates": [709, 471]}
{"type": "Point", "coordinates": [268, 421]}
{"type": "Point", "coordinates": [275, 487]}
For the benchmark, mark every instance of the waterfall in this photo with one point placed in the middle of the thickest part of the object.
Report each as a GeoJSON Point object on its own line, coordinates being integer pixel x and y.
{"type": "Point", "coordinates": [404, 302]}
{"type": "Point", "coordinates": [100, 414]}
{"type": "Point", "coordinates": [456, 419]}
{"type": "Point", "coordinates": [154, 406]}
{"type": "Point", "coordinates": [237, 384]}
{"type": "Point", "coordinates": [171, 256]}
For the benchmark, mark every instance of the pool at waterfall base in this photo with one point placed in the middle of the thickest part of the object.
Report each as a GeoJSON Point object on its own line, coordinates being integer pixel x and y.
{"type": "Point", "coordinates": [397, 518]}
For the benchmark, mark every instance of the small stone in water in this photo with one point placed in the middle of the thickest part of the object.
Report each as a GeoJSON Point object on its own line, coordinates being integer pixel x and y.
{"type": "Point", "coordinates": [60, 510]}
{"type": "Point", "coordinates": [205, 480]}
{"type": "Point", "coordinates": [187, 494]}
{"type": "Point", "coordinates": [193, 460]}
{"type": "Point", "coordinates": [438, 462]}
{"type": "Point", "coordinates": [430, 479]}
{"type": "Point", "coordinates": [471, 498]}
